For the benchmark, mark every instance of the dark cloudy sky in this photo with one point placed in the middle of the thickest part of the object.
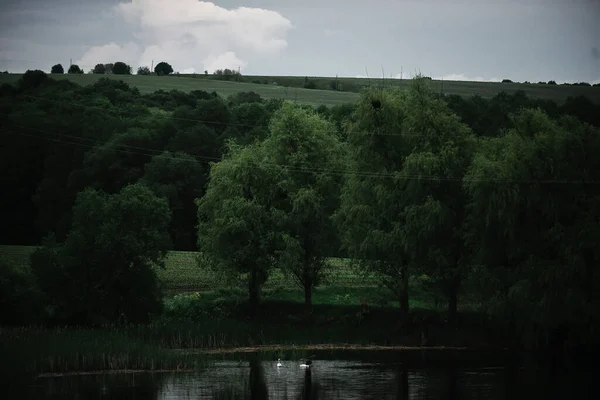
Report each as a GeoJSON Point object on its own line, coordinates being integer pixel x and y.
{"type": "Point", "coordinates": [462, 39]}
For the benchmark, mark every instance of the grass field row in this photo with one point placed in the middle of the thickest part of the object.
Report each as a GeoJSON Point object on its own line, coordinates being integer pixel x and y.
{"type": "Point", "coordinates": [183, 273]}
{"type": "Point", "coordinates": [147, 84]}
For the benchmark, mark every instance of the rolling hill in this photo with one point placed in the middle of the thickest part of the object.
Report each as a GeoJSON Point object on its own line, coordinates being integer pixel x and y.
{"type": "Point", "coordinates": [291, 87]}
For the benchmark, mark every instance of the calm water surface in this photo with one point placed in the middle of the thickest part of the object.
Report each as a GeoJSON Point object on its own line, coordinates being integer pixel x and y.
{"type": "Point", "coordinates": [326, 379]}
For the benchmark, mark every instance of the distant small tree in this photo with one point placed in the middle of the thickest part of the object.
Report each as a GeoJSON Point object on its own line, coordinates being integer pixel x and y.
{"type": "Point", "coordinates": [120, 68]}
{"type": "Point", "coordinates": [144, 71]}
{"type": "Point", "coordinates": [541, 83]}
{"type": "Point", "coordinates": [57, 69]}
{"type": "Point", "coordinates": [310, 85]}
{"type": "Point", "coordinates": [205, 72]}
{"type": "Point", "coordinates": [506, 81]}
{"type": "Point", "coordinates": [108, 68]}
{"type": "Point", "coordinates": [99, 69]}
{"type": "Point", "coordinates": [74, 69]}
{"type": "Point", "coordinates": [163, 68]}
{"type": "Point", "coordinates": [551, 83]}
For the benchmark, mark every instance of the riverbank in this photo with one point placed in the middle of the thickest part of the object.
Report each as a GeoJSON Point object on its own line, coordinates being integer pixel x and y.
{"type": "Point", "coordinates": [196, 326]}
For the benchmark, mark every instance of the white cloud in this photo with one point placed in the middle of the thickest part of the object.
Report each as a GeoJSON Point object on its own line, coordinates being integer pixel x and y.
{"type": "Point", "coordinates": [222, 61]}
{"type": "Point", "coordinates": [112, 52]}
{"type": "Point", "coordinates": [194, 35]}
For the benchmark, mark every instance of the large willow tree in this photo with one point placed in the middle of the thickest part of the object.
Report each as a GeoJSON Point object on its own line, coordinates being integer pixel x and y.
{"type": "Point", "coordinates": [269, 204]}
{"type": "Point", "coordinates": [534, 206]}
{"type": "Point", "coordinates": [402, 205]}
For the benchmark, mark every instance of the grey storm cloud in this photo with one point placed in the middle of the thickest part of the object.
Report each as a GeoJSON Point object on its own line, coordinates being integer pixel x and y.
{"type": "Point", "coordinates": [453, 39]}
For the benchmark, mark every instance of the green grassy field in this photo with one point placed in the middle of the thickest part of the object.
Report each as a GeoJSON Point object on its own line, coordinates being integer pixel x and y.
{"type": "Point", "coordinates": [183, 274]}
{"type": "Point", "coordinates": [290, 87]}
{"type": "Point", "coordinates": [148, 84]}
{"type": "Point", "coordinates": [558, 93]}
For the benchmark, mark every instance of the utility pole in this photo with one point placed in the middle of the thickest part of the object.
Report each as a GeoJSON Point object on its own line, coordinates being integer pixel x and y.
{"type": "Point", "coordinates": [70, 62]}
{"type": "Point", "coordinates": [152, 67]}
{"type": "Point", "coordinates": [238, 75]}
{"type": "Point", "coordinates": [401, 72]}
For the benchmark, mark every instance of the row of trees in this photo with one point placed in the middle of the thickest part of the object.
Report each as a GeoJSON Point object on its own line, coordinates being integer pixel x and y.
{"type": "Point", "coordinates": [400, 182]}
{"type": "Point", "coordinates": [118, 68]}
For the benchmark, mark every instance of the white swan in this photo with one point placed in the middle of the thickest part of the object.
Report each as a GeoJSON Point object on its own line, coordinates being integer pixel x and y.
{"type": "Point", "coordinates": [279, 364]}
{"type": "Point", "coordinates": [306, 364]}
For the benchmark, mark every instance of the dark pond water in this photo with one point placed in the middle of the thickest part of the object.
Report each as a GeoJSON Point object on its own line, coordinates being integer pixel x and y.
{"type": "Point", "coordinates": [326, 379]}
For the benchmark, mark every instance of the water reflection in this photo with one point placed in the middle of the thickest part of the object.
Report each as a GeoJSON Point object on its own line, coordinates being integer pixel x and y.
{"type": "Point", "coordinates": [258, 379]}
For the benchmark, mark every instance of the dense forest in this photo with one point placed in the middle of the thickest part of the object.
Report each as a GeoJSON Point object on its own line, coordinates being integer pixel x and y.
{"type": "Point", "coordinates": [501, 192]}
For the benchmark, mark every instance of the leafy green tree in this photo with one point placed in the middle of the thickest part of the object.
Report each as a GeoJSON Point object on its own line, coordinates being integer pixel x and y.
{"type": "Point", "coordinates": [120, 161]}
{"type": "Point", "coordinates": [532, 204]}
{"type": "Point", "coordinates": [144, 71]}
{"type": "Point", "coordinates": [244, 97]}
{"type": "Point", "coordinates": [237, 224]}
{"type": "Point", "coordinates": [433, 202]}
{"type": "Point", "coordinates": [214, 113]}
{"type": "Point", "coordinates": [120, 68]}
{"type": "Point", "coordinates": [180, 179]}
{"type": "Point", "coordinates": [104, 271]}
{"type": "Point", "coordinates": [309, 156]}
{"type": "Point", "coordinates": [108, 68]}
{"type": "Point", "coordinates": [399, 213]}
{"type": "Point", "coordinates": [74, 69]}
{"type": "Point", "coordinates": [369, 219]}
{"type": "Point", "coordinates": [57, 69]}
{"type": "Point", "coordinates": [21, 302]}
{"type": "Point", "coordinates": [249, 121]}
{"type": "Point", "coordinates": [99, 69]}
{"type": "Point", "coordinates": [163, 68]}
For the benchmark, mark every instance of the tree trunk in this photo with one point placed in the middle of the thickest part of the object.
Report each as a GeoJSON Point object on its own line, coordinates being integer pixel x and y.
{"type": "Point", "coordinates": [404, 294]}
{"type": "Point", "coordinates": [308, 284]}
{"type": "Point", "coordinates": [308, 296]}
{"type": "Point", "coordinates": [254, 293]}
{"type": "Point", "coordinates": [452, 305]}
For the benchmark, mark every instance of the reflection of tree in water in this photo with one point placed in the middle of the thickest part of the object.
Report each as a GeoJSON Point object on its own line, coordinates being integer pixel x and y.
{"type": "Point", "coordinates": [401, 374]}
{"type": "Point", "coordinates": [310, 389]}
{"type": "Point", "coordinates": [258, 386]}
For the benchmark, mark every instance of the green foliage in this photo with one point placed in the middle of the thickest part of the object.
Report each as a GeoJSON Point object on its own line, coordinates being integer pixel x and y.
{"type": "Point", "coordinates": [369, 219]}
{"type": "Point", "coordinates": [57, 69]}
{"type": "Point", "coordinates": [244, 97]}
{"type": "Point", "coordinates": [179, 178]}
{"type": "Point", "coordinates": [32, 79]}
{"type": "Point", "coordinates": [144, 71]}
{"type": "Point", "coordinates": [104, 270]}
{"type": "Point", "coordinates": [99, 69]}
{"type": "Point", "coordinates": [21, 302]}
{"type": "Point", "coordinates": [120, 68]}
{"type": "Point", "coordinates": [74, 69]}
{"type": "Point", "coordinates": [534, 229]}
{"type": "Point", "coordinates": [163, 68]}
{"type": "Point", "coordinates": [237, 229]}
{"type": "Point", "coordinates": [303, 148]}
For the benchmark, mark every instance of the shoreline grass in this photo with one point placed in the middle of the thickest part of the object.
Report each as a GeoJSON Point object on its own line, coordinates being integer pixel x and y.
{"type": "Point", "coordinates": [34, 351]}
